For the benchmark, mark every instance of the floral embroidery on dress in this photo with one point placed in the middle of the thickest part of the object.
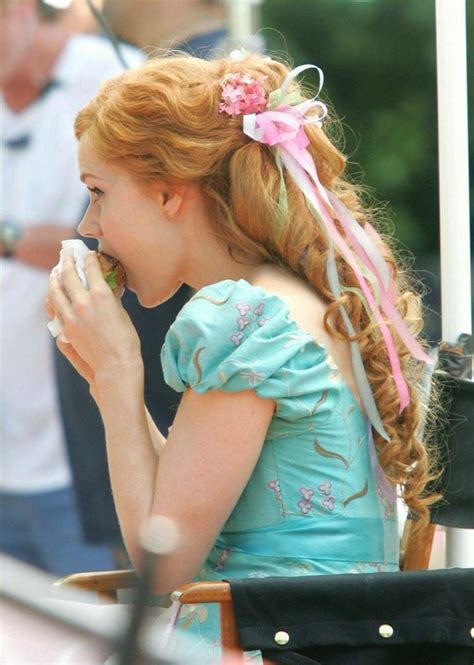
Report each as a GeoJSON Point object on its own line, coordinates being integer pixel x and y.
{"type": "Point", "coordinates": [236, 338]}
{"type": "Point", "coordinates": [358, 495]}
{"type": "Point", "coordinates": [299, 568]}
{"type": "Point", "coordinates": [275, 486]}
{"type": "Point", "coordinates": [242, 322]}
{"type": "Point", "coordinates": [190, 614]}
{"type": "Point", "coordinates": [252, 377]}
{"type": "Point", "coordinates": [296, 338]}
{"type": "Point", "coordinates": [223, 557]}
{"type": "Point", "coordinates": [245, 319]}
{"type": "Point", "coordinates": [305, 504]}
{"type": "Point", "coordinates": [325, 488]}
{"type": "Point", "coordinates": [316, 425]}
{"type": "Point", "coordinates": [329, 501]}
{"type": "Point", "coordinates": [197, 364]}
{"type": "Point", "coordinates": [329, 453]}
{"type": "Point", "coordinates": [243, 308]}
{"type": "Point", "coordinates": [379, 567]}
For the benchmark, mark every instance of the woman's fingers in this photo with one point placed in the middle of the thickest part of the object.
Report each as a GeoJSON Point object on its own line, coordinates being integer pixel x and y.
{"type": "Point", "coordinates": [70, 279]}
{"type": "Point", "coordinates": [59, 303]}
{"type": "Point", "coordinates": [93, 272]}
{"type": "Point", "coordinates": [48, 305]}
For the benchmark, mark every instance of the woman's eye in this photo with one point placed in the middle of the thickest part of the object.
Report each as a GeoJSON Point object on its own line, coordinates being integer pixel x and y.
{"type": "Point", "coordinates": [95, 190]}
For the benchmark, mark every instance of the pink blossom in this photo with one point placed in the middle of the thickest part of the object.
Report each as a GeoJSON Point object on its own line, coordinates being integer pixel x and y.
{"type": "Point", "coordinates": [241, 94]}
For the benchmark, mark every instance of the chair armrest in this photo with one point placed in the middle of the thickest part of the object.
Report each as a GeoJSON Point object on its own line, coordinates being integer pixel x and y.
{"type": "Point", "coordinates": [105, 584]}
{"type": "Point", "coordinates": [203, 592]}
{"type": "Point", "coordinates": [215, 592]}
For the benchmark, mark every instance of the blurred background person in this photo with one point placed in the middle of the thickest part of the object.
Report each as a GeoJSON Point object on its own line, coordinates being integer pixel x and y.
{"type": "Point", "coordinates": [47, 74]}
{"type": "Point", "coordinates": [65, 448]}
{"type": "Point", "coordinates": [195, 26]}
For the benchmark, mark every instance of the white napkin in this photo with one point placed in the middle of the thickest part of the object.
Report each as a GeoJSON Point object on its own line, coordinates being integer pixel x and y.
{"type": "Point", "coordinates": [78, 250]}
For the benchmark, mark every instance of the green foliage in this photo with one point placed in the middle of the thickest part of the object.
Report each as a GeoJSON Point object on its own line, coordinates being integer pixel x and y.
{"type": "Point", "coordinates": [379, 61]}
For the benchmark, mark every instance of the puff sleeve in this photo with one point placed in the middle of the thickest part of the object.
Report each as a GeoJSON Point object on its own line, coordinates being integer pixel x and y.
{"type": "Point", "coordinates": [230, 336]}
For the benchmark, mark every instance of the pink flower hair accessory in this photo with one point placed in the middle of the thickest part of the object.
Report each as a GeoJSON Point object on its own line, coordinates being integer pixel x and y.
{"type": "Point", "coordinates": [242, 94]}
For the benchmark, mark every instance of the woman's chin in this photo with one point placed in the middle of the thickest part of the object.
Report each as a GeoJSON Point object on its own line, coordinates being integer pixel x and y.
{"type": "Point", "coordinates": [150, 300]}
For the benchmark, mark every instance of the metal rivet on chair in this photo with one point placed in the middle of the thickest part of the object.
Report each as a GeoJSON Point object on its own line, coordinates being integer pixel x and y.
{"type": "Point", "coordinates": [282, 638]}
{"type": "Point", "coordinates": [385, 630]}
{"type": "Point", "coordinates": [472, 632]}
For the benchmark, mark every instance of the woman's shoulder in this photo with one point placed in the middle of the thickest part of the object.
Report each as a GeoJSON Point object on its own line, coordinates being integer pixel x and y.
{"type": "Point", "coordinates": [232, 296]}
{"type": "Point", "coordinates": [305, 306]}
{"type": "Point", "coordinates": [268, 289]}
{"type": "Point", "coordinates": [228, 327]}
{"type": "Point", "coordinates": [307, 309]}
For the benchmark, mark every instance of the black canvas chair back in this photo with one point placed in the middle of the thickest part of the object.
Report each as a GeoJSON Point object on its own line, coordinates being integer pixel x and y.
{"type": "Point", "coordinates": [456, 484]}
{"type": "Point", "coordinates": [419, 618]}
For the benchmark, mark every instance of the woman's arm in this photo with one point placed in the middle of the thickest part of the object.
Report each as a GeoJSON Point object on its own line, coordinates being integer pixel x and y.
{"type": "Point", "coordinates": [210, 452]}
{"type": "Point", "coordinates": [132, 458]}
{"type": "Point", "coordinates": [157, 438]}
{"type": "Point", "coordinates": [209, 457]}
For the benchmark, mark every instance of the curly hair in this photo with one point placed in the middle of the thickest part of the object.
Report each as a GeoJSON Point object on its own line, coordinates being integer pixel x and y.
{"type": "Point", "coordinates": [162, 120]}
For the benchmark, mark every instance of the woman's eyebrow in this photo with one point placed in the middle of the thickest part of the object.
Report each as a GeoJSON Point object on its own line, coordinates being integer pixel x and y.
{"type": "Point", "coordinates": [83, 176]}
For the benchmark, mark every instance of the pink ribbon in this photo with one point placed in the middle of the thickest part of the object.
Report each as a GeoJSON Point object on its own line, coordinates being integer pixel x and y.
{"type": "Point", "coordinates": [283, 128]}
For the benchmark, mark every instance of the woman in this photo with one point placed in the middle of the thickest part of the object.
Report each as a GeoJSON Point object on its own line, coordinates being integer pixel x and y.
{"type": "Point", "coordinates": [295, 359]}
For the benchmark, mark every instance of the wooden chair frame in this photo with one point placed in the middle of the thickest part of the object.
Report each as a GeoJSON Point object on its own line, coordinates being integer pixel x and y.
{"type": "Point", "coordinates": [414, 555]}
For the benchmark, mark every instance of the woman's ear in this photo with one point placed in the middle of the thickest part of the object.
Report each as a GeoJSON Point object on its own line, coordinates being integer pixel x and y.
{"type": "Point", "coordinates": [171, 198]}
{"type": "Point", "coordinates": [171, 201]}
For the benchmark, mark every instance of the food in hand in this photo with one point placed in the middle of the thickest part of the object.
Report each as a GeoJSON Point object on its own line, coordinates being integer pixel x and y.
{"type": "Point", "coordinates": [113, 271]}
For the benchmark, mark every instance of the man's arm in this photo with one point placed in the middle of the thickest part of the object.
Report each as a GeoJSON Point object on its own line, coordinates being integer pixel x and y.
{"type": "Point", "coordinates": [39, 245]}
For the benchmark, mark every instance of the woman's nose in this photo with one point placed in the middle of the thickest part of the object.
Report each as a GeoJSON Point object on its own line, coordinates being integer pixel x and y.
{"type": "Point", "coordinates": [88, 227]}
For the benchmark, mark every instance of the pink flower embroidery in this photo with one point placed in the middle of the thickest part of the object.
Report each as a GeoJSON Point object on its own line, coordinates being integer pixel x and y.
{"type": "Point", "coordinates": [258, 310]}
{"type": "Point", "coordinates": [242, 322]}
{"type": "Point", "coordinates": [242, 94]}
{"type": "Point", "coordinates": [243, 308]}
{"type": "Point", "coordinates": [305, 506]}
{"type": "Point", "coordinates": [261, 322]}
{"type": "Point", "coordinates": [275, 486]}
{"type": "Point", "coordinates": [325, 488]}
{"type": "Point", "coordinates": [306, 493]}
{"type": "Point", "coordinates": [236, 338]}
{"type": "Point", "coordinates": [329, 502]}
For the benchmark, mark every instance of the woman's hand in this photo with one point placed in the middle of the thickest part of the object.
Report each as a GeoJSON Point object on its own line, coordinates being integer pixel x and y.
{"type": "Point", "coordinates": [102, 343]}
{"type": "Point", "coordinates": [66, 349]}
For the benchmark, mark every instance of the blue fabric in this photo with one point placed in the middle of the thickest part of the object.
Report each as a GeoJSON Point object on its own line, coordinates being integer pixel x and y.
{"type": "Point", "coordinates": [312, 505]}
{"type": "Point", "coordinates": [43, 529]}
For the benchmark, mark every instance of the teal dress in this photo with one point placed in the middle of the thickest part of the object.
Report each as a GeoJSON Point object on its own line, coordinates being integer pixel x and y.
{"type": "Point", "coordinates": [317, 501]}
